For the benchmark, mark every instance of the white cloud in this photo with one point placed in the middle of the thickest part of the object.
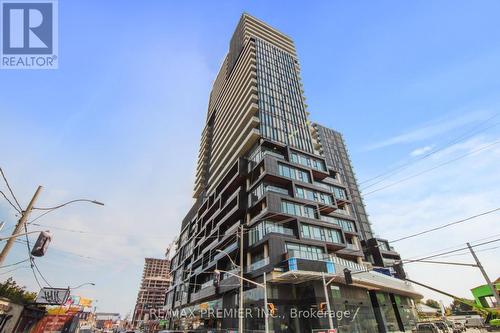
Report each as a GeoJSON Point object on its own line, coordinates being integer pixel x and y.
{"type": "Point", "coordinates": [432, 129]}
{"type": "Point", "coordinates": [461, 189]}
{"type": "Point", "coordinates": [421, 151]}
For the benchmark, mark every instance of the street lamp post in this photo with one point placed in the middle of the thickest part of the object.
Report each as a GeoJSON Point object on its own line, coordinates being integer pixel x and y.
{"type": "Point", "coordinates": [81, 285]}
{"type": "Point", "coordinates": [262, 285]}
{"type": "Point", "coordinates": [325, 286]}
{"type": "Point", "coordinates": [24, 218]}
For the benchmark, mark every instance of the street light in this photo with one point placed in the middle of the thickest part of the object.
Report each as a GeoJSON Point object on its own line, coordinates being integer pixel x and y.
{"type": "Point", "coordinates": [230, 259]}
{"type": "Point", "coordinates": [81, 285]}
{"type": "Point", "coordinates": [262, 285]}
{"type": "Point", "coordinates": [25, 215]}
{"type": "Point", "coordinates": [70, 202]}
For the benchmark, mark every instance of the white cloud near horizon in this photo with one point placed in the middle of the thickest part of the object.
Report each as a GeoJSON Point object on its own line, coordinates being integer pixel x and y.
{"type": "Point", "coordinates": [420, 151]}
{"type": "Point", "coordinates": [455, 191]}
{"type": "Point", "coordinates": [432, 129]}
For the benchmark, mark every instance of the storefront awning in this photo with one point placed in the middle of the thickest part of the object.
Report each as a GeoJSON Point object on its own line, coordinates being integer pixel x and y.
{"type": "Point", "coordinates": [369, 280]}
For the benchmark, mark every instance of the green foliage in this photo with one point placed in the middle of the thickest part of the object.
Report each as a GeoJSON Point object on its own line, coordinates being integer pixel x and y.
{"type": "Point", "coordinates": [458, 306]}
{"type": "Point", "coordinates": [16, 293]}
{"type": "Point", "coordinates": [432, 303]}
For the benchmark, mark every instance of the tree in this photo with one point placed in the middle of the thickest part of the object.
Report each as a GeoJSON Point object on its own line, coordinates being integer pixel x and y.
{"type": "Point", "coordinates": [432, 303]}
{"type": "Point", "coordinates": [16, 293]}
{"type": "Point", "coordinates": [458, 307]}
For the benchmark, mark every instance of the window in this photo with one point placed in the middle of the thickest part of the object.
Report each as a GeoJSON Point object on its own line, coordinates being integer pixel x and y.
{"type": "Point", "coordinates": [292, 208]}
{"type": "Point", "coordinates": [320, 233]}
{"type": "Point", "coordinates": [305, 193]}
{"type": "Point", "coordinates": [294, 173]}
{"type": "Point", "coordinates": [305, 251]}
{"type": "Point", "coordinates": [264, 228]}
{"type": "Point", "coordinates": [260, 189]}
{"type": "Point", "coordinates": [339, 192]}
{"type": "Point", "coordinates": [308, 161]}
{"type": "Point", "coordinates": [344, 224]}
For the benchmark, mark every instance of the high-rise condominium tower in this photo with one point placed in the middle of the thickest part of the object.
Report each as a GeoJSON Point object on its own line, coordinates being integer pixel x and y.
{"type": "Point", "coordinates": [154, 284]}
{"type": "Point", "coordinates": [276, 197]}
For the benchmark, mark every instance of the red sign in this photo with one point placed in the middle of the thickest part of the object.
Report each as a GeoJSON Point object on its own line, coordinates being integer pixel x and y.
{"type": "Point", "coordinates": [53, 323]}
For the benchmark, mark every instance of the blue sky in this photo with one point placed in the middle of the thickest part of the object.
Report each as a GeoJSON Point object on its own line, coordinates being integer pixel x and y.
{"type": "Point", "coordinates": [120, 121]}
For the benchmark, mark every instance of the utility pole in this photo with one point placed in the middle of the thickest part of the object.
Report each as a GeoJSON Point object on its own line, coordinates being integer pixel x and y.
{"type": "Point", "coordinates": [266, 323]}
{"type": "Point", "coordinates": [488, 281]}
{"type": "Point", "coordinates": [240, 312]}
{"type": "Point", "coordinates": [19, 226]}
{"type": "Point", "coordinates": [325, 287]}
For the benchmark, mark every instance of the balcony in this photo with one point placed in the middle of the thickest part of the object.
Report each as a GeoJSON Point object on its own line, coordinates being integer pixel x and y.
{"type": "Point", "coordinates": [264, 228]}
{"type": "Point", "coordinates": [300, 261]}
{"type": "Point", "coordinates": [257, 265]}
{"type": "Point", "coordinates": [340, 264]}
{"type": "Point", "coordinates": [353, 247]}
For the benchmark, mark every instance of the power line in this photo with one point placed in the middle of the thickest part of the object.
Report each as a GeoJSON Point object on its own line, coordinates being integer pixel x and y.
{"type": "Point", "coordinates": [468, 252]}
{"type": "Point", "coordinates": [10, 189]}
{"type": "Point", "coordinates": [453, 251]}
{"type": "Point", "coordinates": [449, 144]}
{"type": "Point", "coordinates": [14, 269]}
{"type": "Point", "coordinates": [431, 169]}
{"type": "Point", "coordinates": [454, 246]}
{"type": "Point", "coordinates": [445, 225]}
{"type": "Point", "coordinates": [14, 264]}
{"type": "Point", "coordinates": [10, 202]}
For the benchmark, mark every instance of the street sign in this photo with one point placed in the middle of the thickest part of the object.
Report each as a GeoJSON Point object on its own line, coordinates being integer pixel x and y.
{"type": "Point", "coordinates": [52, 296]}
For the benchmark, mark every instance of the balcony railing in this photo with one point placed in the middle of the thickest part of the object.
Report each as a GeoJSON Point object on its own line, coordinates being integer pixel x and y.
{"type": "Point", "coordinates": [343, 263]}
{"type": "Point", "coordinates": [259, 231]}
{"type": "Point", "coordinates": [258, 264]}
{"type": "Point", "coordinates": [352, 246]}
{"type": "Point", "coordinates": [307, 255]}
{"type": "Point", "coordinates": [207, 284]}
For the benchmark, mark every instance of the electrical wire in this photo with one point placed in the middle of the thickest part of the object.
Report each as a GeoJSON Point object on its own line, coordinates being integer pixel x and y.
{"type": "Point", "coordinates": [445, 225]}
{"type": "Point", "coordinates": [449, 144]}
{"type": "Point", "coordinates": [10, 202]}
{"type": "Point", "coordinates": [10, 190]}
{"type": "Point", "coordinates": [432, 168]}
{"type": "Point", "coordinates": [468, 252]}
{"type": "Point", "coordinates": [454, 246]}
{"type": "Point", "coordinates": [14, 269]}
{"type": "Point", "coordinates": [453, 251]}
{"type": "Point", "coordinates": [14, 264]}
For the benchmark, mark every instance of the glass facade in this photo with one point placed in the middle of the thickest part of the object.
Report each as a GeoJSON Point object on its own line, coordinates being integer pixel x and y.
{"type": "Point", "coordinates": [282, 111]}
{"type": "Point", "coordinates": [264, 228]}
{"type": "Point", "coordinates": [344, 224]}
{"type": "Point", "coordinates": [320, 233]}
{"type": "Point", "coordinates": [387, 310]}
{"type": "Point", "coordinates": [313, 195]}
{"type": "Point", "coordinates": [294, 173]}
{"type": "Point", "coordinates": [308, 161]}
{"type": "Point", "coordinates": [304, 251]}
{"type": "Point", "coordinates": [296, 209]}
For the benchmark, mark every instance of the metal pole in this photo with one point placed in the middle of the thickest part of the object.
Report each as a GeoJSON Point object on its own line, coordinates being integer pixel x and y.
{"type": "Point", "coordinates": [488, 281]}
{"type": "Point", "coordinates": [266, 312]}
{"type": "Point", "coordinates": [240, 312]}
{"type": "Point", "coordinates": [330, 320]}
{"type": "Point", "coordinates": [19, 226]}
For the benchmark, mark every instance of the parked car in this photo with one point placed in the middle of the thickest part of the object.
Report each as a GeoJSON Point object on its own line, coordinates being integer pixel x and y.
{"type": "Point", "coordinates": [426, 327]}
{"type": "Point", "coordinates": [458, 327]}
{"type": "Point", "coordinates": [443, 326]}
{"type": "Point", "coordinates": [474, 322]}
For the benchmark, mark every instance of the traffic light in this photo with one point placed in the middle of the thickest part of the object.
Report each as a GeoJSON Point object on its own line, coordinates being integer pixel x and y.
{"type": "Point", "coordinates": [271, 308]}
{"type": "Point", "coordinates": [216, 279]}
{"type": "Point", "coordinates": [400, 272]}
{"type": "Point", "coordinates": [322, 307]}
{"type": "Point", "coordinates": [347, 276]}
{"type": "Point", "coordinates": [42, 244]}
